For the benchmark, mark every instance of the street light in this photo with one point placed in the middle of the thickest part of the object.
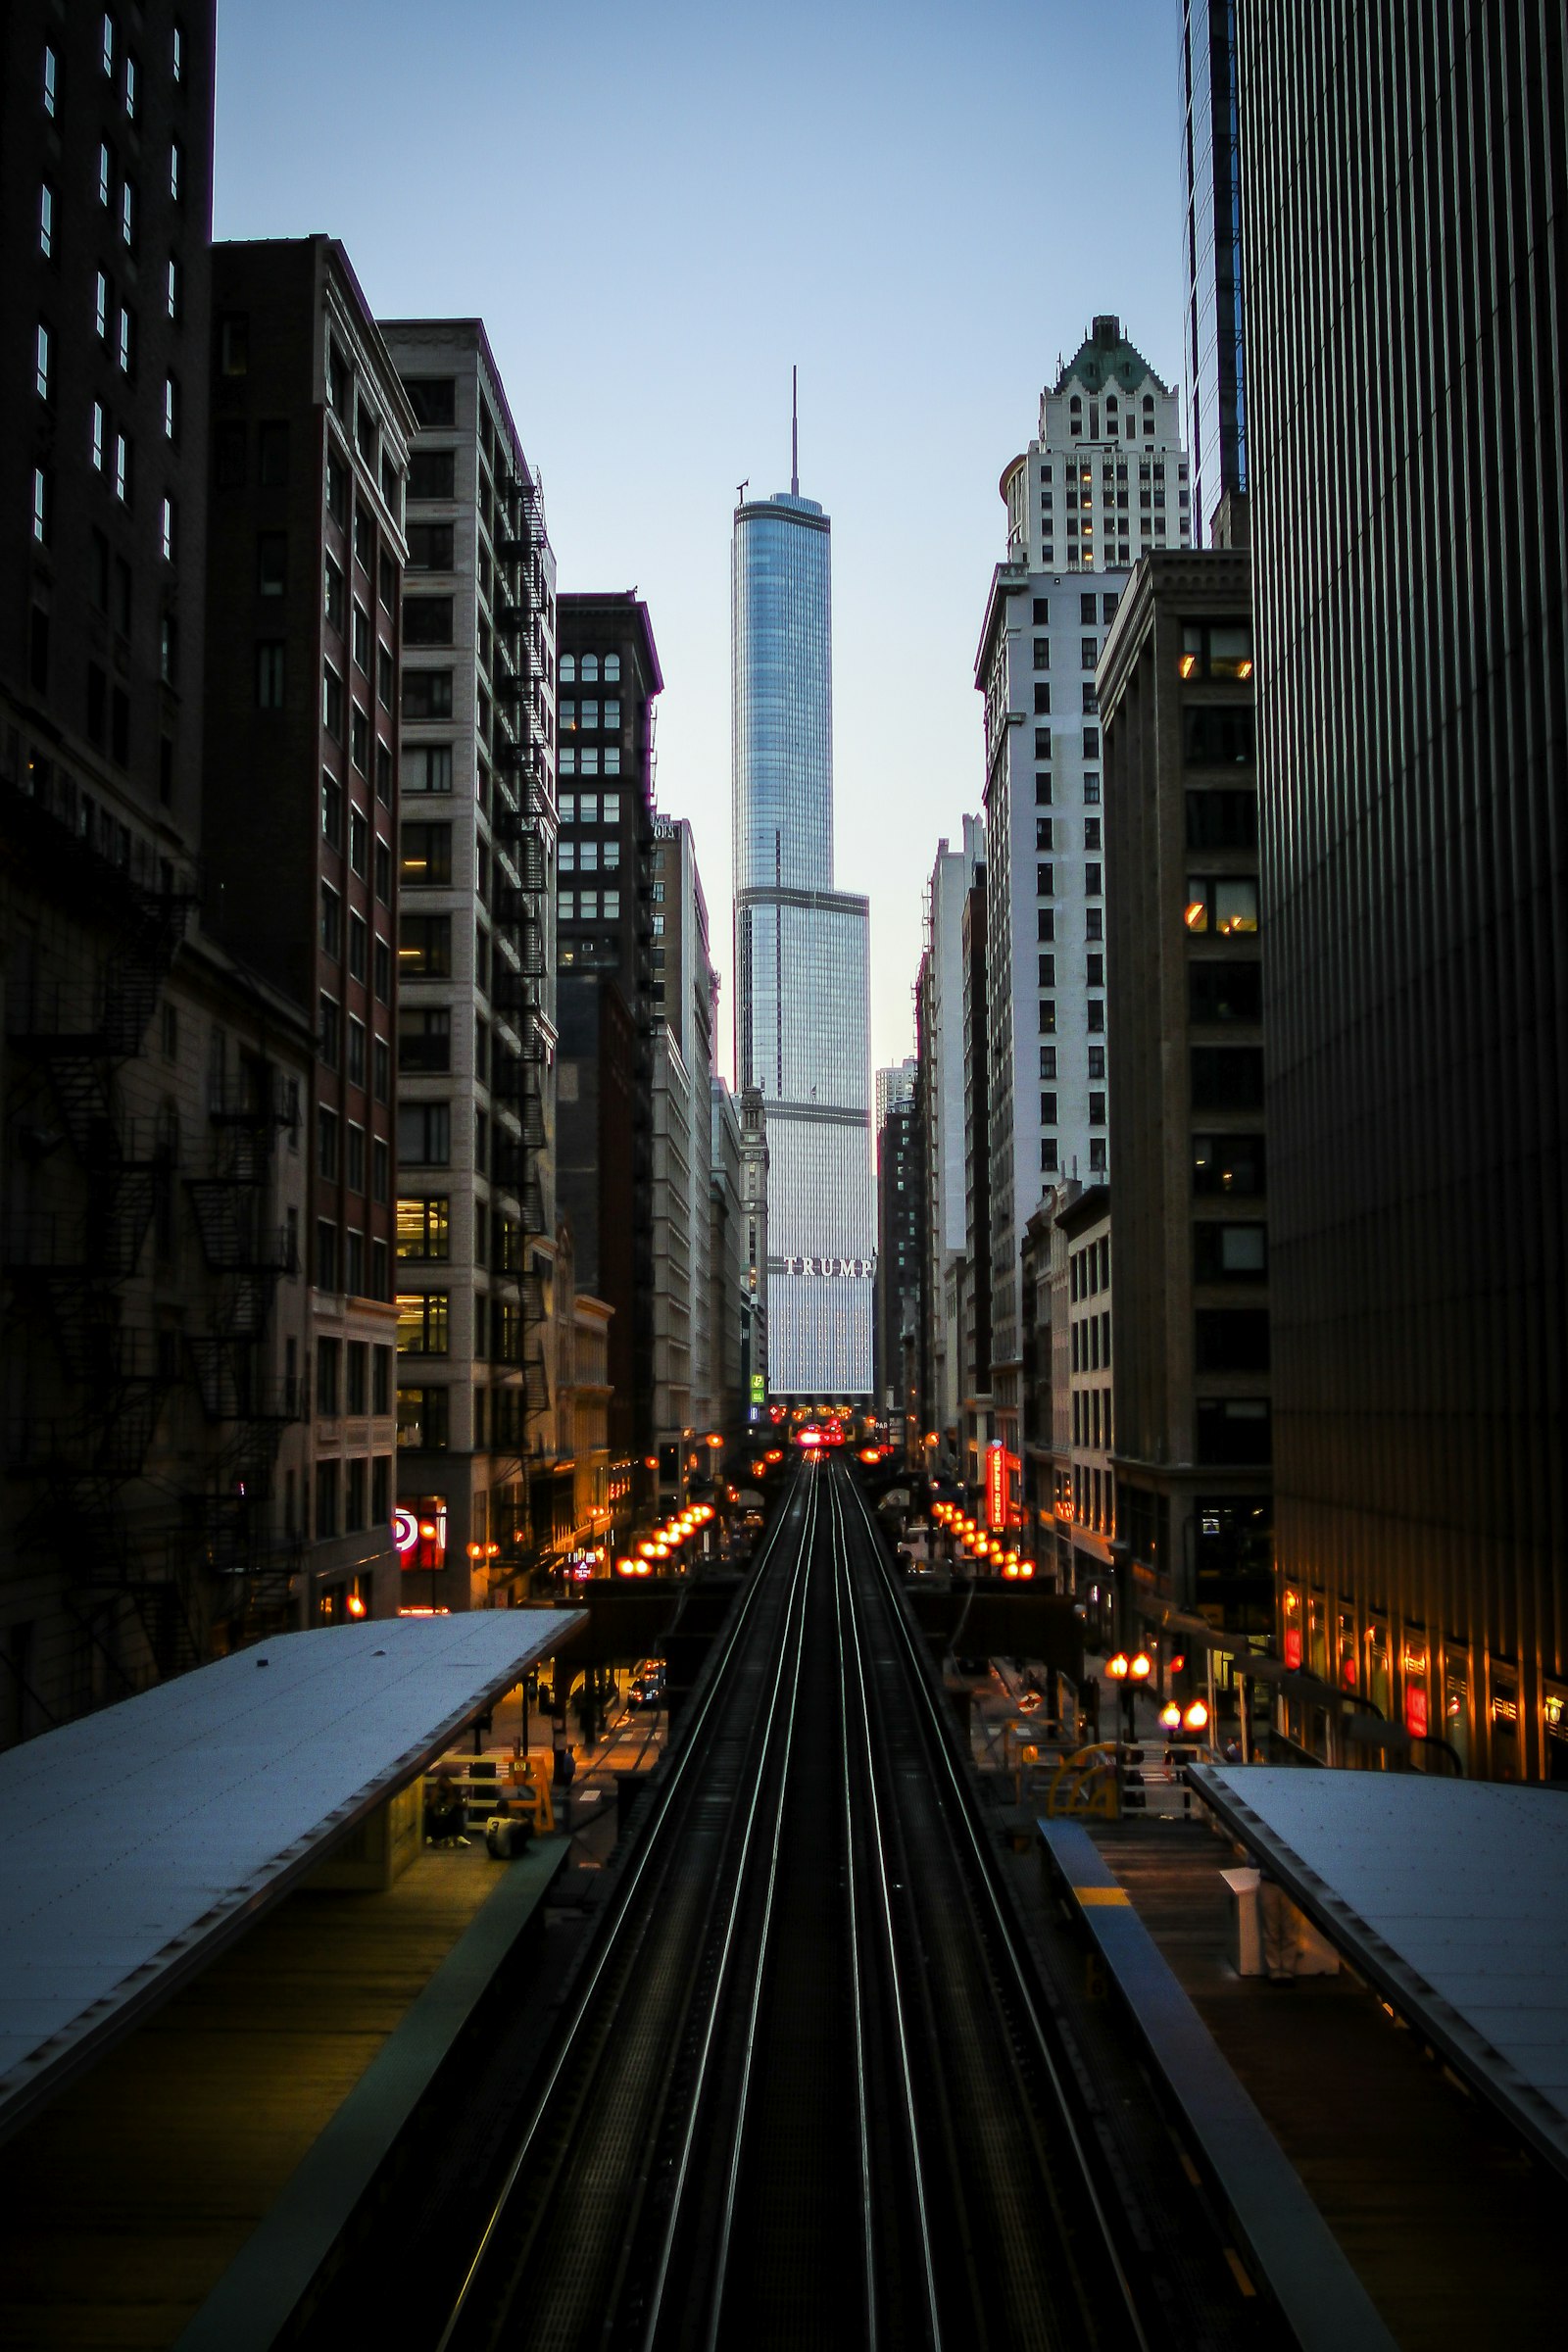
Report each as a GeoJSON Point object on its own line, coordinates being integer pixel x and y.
{"type": "Point", "coordinates": [1196, 1716]}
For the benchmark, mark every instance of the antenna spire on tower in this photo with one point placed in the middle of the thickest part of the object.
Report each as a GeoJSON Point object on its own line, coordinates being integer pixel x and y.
{"type": "Point", "coordinates": [795, 433]}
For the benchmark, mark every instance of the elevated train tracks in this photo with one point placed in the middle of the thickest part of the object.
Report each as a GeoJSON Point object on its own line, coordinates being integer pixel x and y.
{"type": "Point", "coordinates": [804, 2091]}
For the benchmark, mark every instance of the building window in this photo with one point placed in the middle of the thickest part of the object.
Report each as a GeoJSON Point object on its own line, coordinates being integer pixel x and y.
{"type": "Point", "coordinates": [1227, 1077]}
{"type": "Point", "coordinates": [427, 768]}
{"type": "Point", "coordinates": [426, 693]}
{"type": "Point", "coordinates": [326, 1496]}
{"type": "Point", "coordinates": [47, 220]}
{"type": "Point", "coordinates": [1228, 1164]}
{"type": "Point", "coordinates": [1093, 882]}
{"type": "Point", "coordinates": [123, 469]}
{"type": "Point", "coordinates": [422, 1420]}
{"type": "Point", "coordinates": [325, 1254]}
{"type": "Point", "coordinates": [269, 676]}
{"type": "Point", "coordinates": [1094, 1014]}
{"type": "Point", "coordinates": [1096, 1062]}
{"type": "Point", "coordinates": [101, 308]}
{"type": "Point", "coordinates": [424, 1134]}
{"type": "Point", "coordinates": [328, 1030]}
{"type": "Point", "coordinates": [433, 474]}
{"type": "Point", "coordinates": [1226, 905]}
{"type": "Point", "coordinates": [425, 1228]}
{"type": "Point", "coordinates": [1229, 1252]}
{"type": "Point", "coordinates": [1226, 989]}
{"type": "Point", "coordinates": [427, 854]}
{"type": "Point", "coordinates": [425, 1039]}
{"type": "Point", "coordinates": [1214, 736]}
{"type": "Point", "coordinates": [171, 408]}
{"type": "Point", "coordinates": [423, 1322]}
{"type": "Point", "coordinates": [331, 921]}
{"type": "Point", "coordinates": [1048, 1061]}
{"type": "Point", "coordinates": [174, 290]}
{"type": "Point", "coordinates": [51, 80]}
{"type": "Point", "coordinates": [1234, 1428]}
{"type": "Point", "coordinates": [360, 739]}
{"type": "Point", "coordinates": [356, 1063]}
{"type": "Point", "coordinates": [427, 619]}
{"type": "Point", "coordinates": [166, 529]}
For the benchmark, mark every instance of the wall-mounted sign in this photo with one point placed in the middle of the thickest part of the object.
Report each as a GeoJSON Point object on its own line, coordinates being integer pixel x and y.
{"type": "Point", "coordinates": [995, 1483]}
{"type": "Point", "coordinates": [759, 1387]}
{"type": "Point", "coordinates": [832, 1269]}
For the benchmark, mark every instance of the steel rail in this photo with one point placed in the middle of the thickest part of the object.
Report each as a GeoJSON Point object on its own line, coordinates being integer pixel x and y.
{"type": "Point", "coordinates": [844, 1593]}
{"type": "Point", "coordinates": [721, 1986]}
{"type": "Point", "coordinates": [1005, 1933]}
{"type": "Point", "coordinates": [649, 1845]}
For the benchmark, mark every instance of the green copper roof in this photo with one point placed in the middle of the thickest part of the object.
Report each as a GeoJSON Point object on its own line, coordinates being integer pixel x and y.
{"type": "Point", "coordinates": [1105, 358]}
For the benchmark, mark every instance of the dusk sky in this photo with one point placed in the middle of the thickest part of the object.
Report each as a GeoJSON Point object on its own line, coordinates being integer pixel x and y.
{"type": "Point", "coordinates": [656, 212]}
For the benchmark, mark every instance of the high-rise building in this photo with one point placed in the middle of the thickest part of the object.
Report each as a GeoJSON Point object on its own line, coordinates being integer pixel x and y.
{"type": "Point", "coordinates": [800, 956]}
{"type": "Point", "coordinates": [1103, 480]}
{"type": "Point", "coordinates": [476, 1409]}
{"type": "Point", "coordinates": [1191, 1499]}
{"type": "Point", "coordinates": [970, 1306]}
{"type": "Point", "coordinates": [609, 678]}
{"type": "Point", "coordinates": [1214, 355]}
{"type": "Point", "coordinates": [939, 1020]}
{"type": "Point", "coordinates": [1406, 397]}
{"type": "Point", "coordinates": [898, 1226]}
{"type": "Point", "coordinates": [685, 997]}
{"type": "Point", "coordinates": [311, 429]}
{"type": "Point", "coordinates": [152, 1305]}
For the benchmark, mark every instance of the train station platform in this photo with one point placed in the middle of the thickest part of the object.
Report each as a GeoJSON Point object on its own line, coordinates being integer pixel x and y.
{"type": "Point", "coordinates": [1451, 1896]}
{"type": "Point", "coordinates": [216, 1991]}
{"type": "Point", "coordinates": [1444, 2214]}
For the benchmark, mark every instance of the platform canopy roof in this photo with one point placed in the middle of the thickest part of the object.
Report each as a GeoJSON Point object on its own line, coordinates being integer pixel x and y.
{"type": "Point", "coordinates": [136, 1842]}
{"type": "Point", "coordinates": [1451, 1896]}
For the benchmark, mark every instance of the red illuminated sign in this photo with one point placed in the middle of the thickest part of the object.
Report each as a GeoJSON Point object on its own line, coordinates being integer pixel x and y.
{"type": "Point", "coordinates": [1293, 1646]}
{"type": "Point", "coordinates": [995, 1483]}
{"type": "Point", "coordinates": [1415, 1711]}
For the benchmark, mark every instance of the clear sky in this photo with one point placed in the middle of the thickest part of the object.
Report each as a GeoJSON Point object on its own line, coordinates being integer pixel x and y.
{"type": "Point", "coordinates": [657, 209]}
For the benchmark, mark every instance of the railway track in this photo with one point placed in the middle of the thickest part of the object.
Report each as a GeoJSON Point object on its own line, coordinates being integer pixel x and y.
{"type": "Point", "coordinates": [804, 2093]}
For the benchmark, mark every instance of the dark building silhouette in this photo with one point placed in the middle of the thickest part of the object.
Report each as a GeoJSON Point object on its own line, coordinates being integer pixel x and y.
{"type": "Point", "coordinates": [1215, 354]}
{"type": "Point", "coordinates": [974, 1385]}
{"type": "Point", "coordinates": [1184, 1000]}
{"type": "Point", "coordinates": [1406, 185]}
{"type": "Point", "coordinates": [151, 1322]}
{"type": "Point", "coordinates": [609, 678]}
{"type": "Point", "coordinates": [310, 427]}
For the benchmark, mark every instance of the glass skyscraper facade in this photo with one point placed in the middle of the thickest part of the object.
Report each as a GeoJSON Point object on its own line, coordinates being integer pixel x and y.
{"type": "Point", "coordinates": [1211, 170]}
{"type": "Point", "coordinates": [800, 957]}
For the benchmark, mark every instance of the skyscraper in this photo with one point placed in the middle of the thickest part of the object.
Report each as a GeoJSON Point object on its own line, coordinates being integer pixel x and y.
{"type": "Point", "coordinates": [1102, 483]}
{"type": "Point", "coordinates": [1211, 172]}
{"type": "Point", "coordinates": [1403, 177]}
{"type": "Point", "coordinates": [801, 954]}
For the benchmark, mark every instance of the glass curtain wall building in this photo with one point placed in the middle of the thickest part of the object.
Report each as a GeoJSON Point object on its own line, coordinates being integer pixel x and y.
{"type": "Point", "coordinates": [1212, 178]}
{"type": "Point", "coordinates": [800, 956]}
